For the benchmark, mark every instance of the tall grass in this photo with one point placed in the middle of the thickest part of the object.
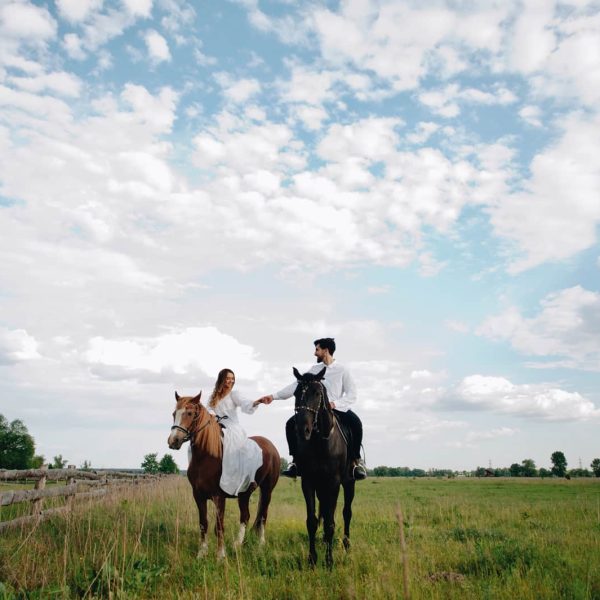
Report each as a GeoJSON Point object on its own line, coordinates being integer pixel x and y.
{"type": "Point", "coordinates": [484, 538]}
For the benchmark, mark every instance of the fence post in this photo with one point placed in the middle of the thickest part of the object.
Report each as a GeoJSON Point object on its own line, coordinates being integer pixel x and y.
{"type": "Point", "coordinates": [40, 484]}
{"type": "Point", "coordinates": [71, 496]}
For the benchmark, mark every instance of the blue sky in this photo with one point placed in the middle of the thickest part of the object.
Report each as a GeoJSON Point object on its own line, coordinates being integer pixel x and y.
{"type": "Point", "coordinates": [189, 186]}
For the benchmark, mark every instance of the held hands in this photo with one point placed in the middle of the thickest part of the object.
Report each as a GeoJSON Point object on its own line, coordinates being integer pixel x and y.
{"type": "Point", "coordinates": [263, 400]}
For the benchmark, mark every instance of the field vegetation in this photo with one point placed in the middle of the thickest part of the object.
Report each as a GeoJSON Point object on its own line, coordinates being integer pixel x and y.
{"type": "Point", "coordinates": [466, 538]}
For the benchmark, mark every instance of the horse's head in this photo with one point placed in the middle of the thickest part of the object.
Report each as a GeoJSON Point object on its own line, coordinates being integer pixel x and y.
{"type": "Point", "coordinates": [311, 397]}
{"type": "Point", "coordinates": [185, 417]}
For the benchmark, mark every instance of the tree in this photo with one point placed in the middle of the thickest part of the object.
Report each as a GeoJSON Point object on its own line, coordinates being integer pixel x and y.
{"type": "Point", "coordinates": [150, 463]}
{"type": "Point", "coordinates": [59, 462]}
{"type": "Point", "coordinates": [168, 465]}
{"type": "Point", "coordinates": [16, 445]}
{"type": "Point", "coordinates": [86, 466]}
{"type": "Point", "coordinates": [559, 464]}
{"type": "Point", "coordinates": [529, 469]}
{"type": "Point", "coordinates": [596, 467]}
{"type": "Point", "coordinates": [516, 470]}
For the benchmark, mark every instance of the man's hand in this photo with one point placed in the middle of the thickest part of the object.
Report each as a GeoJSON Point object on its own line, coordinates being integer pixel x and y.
{"type": "Point", "coordinates": [264, 400]}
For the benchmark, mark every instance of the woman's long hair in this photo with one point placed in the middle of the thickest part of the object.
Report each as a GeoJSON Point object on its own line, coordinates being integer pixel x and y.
{"type": "Point", "coordinates": [219, 390]}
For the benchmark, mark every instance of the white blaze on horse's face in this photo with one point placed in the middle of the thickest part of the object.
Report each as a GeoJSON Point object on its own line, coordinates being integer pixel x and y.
{"type": "Point", "coordinates": [177, 436]}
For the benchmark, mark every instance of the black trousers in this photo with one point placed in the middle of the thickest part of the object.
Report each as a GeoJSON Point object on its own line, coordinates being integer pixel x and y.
{"type": "Point", "coordinates": [348, 418]}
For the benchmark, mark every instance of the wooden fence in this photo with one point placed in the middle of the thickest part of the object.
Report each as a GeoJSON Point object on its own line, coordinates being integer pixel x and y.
{"type": "Point", "coordinates": [79, 485]}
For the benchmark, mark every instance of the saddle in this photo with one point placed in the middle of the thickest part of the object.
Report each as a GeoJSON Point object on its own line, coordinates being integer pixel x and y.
{"type": "Point", "coordinates": [345, 431]}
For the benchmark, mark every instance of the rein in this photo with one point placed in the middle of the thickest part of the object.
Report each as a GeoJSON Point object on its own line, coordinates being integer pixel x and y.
{"type": "Point", "coordinates": [189, 432]}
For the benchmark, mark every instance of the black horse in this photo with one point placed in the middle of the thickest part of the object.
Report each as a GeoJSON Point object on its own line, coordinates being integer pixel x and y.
{"type": "Point", "coordinates": [323, 460]}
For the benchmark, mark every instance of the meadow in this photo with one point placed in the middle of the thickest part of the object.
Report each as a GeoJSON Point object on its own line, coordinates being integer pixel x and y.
{"type": "Point", "coordinates": [465, 538]}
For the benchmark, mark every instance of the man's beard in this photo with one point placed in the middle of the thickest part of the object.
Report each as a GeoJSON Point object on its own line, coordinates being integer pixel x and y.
{"type": "Point", "coordinates": [319, 359]}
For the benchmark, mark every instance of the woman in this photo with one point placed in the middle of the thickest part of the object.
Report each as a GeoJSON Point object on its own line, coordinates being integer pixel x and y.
{"type": "Point", "coordinates": [241, 456]}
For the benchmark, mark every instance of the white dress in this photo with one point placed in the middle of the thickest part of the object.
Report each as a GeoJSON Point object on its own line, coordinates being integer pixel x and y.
{"type": "Point", "coordinates": [241, 456]}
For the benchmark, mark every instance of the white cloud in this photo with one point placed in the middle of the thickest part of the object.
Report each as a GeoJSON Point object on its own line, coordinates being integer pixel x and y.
{"type": "Point", "coordinates": [181, 352]}
{"type": "Point", "coordinates": [77, 10]}
{"type": "Point", "coordinates": [540, 401]}
{"type": "Point", "coordinates": [472, 438]}
{"type": "Point", "coordinates": [60, 82]}
{"type": "Point", "coordinates": [26, 21]}
{"type": "Point", "coordinates": [445, 101]}
{"type": "Point", "coordinates": [532, 115]}
{"type": "Point", "coordinates": [567, 326]}
{"type": "Point", "coordinates": [456, 325]}
{"type": "Point", "coordinates": [557, 213]}
{"type": "Point", "coordinates": [17, 345]}
{"type": "Point", "coordinates": [241, 90]}
{"type": "Point", "coordinates": [139, 8]}
{"type": "Point", "coordinates": [158, 49]}
{"type": "Point", "coordinates": [73, 45]}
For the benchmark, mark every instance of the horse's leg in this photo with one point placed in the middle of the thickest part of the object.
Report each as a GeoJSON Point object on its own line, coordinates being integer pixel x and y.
{"type": "Point", "coordinates": [311, 519]}
{"type": "Point", "coordinates": [220, 525]}
{"type": "Point", "coordinates": [262, 512]}
{"type": "Point", "coordinates": [243, 503]}
{"type": "Point", "coordinates": [348, 498]}
{"type": "Point", "coordinates": [328, 500]}
{"type": "Point", "coordinates": [203, 520]}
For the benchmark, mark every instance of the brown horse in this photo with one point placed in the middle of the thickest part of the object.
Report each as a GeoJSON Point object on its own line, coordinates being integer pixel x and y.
{"type": "Point", "coordinates": [193, 422]}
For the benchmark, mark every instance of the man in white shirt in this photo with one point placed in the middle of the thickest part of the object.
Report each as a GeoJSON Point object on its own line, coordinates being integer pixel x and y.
{"type": "Point", "coordinates": [341, 392]}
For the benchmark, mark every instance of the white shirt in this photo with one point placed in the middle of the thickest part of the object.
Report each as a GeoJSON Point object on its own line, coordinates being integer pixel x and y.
{"type": "Point", "coordinates": [337, 381]}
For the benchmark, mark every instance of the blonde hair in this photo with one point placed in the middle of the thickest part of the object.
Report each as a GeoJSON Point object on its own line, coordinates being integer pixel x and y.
{"type": "Point", "coordinates": [219, 391]}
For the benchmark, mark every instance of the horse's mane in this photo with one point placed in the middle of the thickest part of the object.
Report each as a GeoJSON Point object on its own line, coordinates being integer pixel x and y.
{"type": "Point", "coordinates": [208, 435]}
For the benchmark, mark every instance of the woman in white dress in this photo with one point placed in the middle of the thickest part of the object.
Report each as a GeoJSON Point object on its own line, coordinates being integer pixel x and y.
{"type": "Point", "coordinates": [241, 456]}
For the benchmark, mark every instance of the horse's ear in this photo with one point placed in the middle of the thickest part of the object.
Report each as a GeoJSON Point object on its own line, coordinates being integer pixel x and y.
{"type": "Point", "coordinates": [320, 374]}
{"type": "Point", "coordinates": [296, 374]}
{"type": "Point", "coordinates": [176, 396]}
{"type": "Point", "coordinates": [196, 399]}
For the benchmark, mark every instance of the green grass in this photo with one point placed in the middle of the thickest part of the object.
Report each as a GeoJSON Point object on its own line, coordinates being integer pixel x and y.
{"type": "Point", "coordinates": [487, 538]}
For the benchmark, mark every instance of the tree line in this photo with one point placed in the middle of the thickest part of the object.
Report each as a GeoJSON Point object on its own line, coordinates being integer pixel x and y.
{"type": "Point", "coordinates": [17, 451]}
{"type": "Point", "coordinates": [526, 468]}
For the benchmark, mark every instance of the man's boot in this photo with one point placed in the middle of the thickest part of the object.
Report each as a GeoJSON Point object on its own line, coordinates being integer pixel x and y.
{"type": "Point", "coordinates": [291, 471]}
{"type": "Point", "coordinates": [360, 471]}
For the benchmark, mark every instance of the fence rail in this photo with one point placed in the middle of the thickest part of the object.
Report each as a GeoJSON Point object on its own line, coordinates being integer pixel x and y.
{"type": "Point", "coordinates": [78, 484]}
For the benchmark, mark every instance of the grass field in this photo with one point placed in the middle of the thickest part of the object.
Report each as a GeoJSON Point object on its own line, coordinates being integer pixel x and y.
{"type": "Point", "coordinates": [466, 538]}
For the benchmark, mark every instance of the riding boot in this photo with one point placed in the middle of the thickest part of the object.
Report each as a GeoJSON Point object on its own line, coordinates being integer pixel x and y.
{"type": "Point", "coordinates": [292, 470]}
{"type": "Point", "coordinates": [359, 471]}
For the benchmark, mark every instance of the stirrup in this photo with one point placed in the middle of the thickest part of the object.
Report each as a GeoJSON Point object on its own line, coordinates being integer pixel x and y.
{"type": "Point", "coordinates": [291, 471]}
{"type": "Point", "coordinates": [359, 472]}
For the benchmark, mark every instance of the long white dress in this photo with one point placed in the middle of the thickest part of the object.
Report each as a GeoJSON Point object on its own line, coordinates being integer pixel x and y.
{"type": "Point", "coordinates": [241, 456]}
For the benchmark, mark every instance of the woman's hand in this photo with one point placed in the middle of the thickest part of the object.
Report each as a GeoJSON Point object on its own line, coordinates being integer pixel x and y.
{"type": "Point", "coordinates": [263, 400]}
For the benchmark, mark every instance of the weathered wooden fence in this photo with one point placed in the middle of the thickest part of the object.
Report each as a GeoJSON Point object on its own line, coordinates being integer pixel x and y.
{"type": "Point", "coordinates": [79, 485]}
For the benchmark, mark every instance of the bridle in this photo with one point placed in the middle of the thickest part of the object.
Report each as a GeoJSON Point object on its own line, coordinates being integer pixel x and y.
{"type": "Point", "coordinates": [188, 432]}
{"type": "Point", "coordinates": [304, 385]}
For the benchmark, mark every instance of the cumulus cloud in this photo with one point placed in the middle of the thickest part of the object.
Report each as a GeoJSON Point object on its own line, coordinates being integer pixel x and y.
{"type": "Point", "coordinates": [446, 101]}
{"type": "Point", "coordinates": [158, 48]}
{"type": "Point", "coordinates": [557, 213]}
{"type": "Point", "coordinates": [17, 345]}
{"type": "Point", "coordinates": [76, 11]}
{"type": "Point", "coordinates": [204, 349]}
{"type": "Point", "coordinates": [567, 326]}
{"type": "Point", "coordinates": [539, 401]}
{"type": "Point", "coordinates": [237, 90]}
{"type": "Point", "coordinates": [26, 21]}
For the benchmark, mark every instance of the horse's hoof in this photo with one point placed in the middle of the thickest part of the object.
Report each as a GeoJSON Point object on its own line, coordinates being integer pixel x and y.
{"type": "Point", "coordinates": [202, 552]}
{"type": "Point", "coordinates": [346, 542]}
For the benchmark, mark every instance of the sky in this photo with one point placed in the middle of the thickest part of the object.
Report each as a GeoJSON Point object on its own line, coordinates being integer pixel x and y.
{"type": "Point", "coordinates": [188, 186]}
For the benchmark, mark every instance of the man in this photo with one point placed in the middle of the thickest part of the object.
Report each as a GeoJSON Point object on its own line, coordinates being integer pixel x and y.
{"type": "Point", "coordinates": [341, 392]}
